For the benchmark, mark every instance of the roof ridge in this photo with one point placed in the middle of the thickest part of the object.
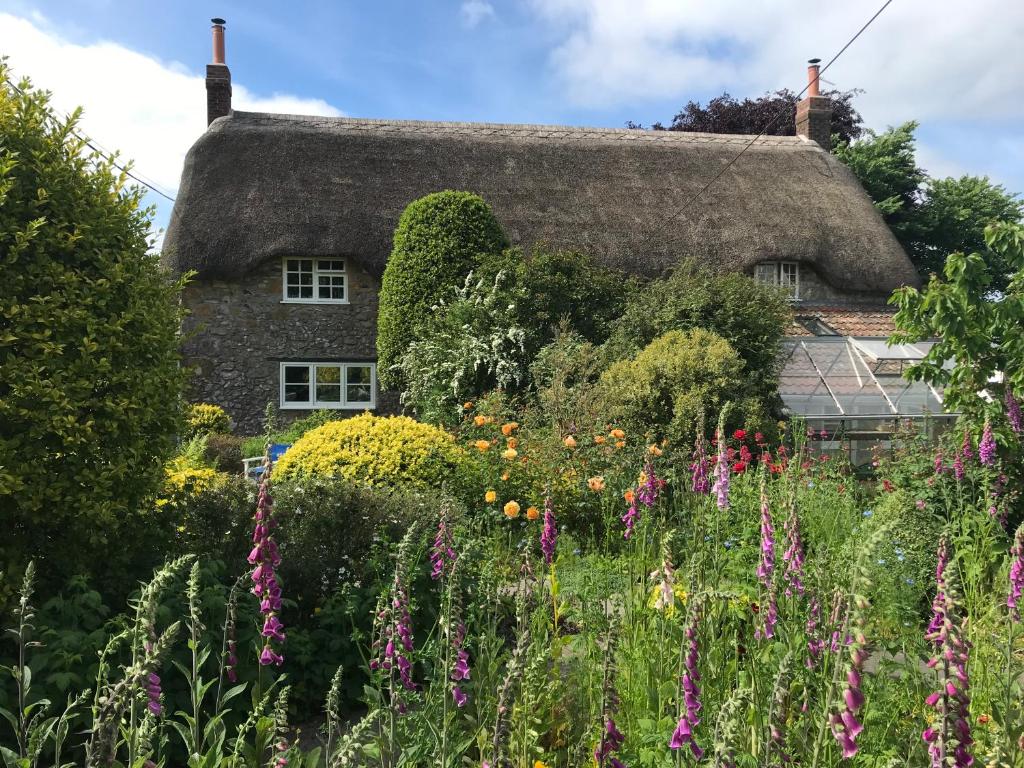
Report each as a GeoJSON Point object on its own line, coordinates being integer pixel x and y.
{"type": "Point", "coordinates": [528, 130]}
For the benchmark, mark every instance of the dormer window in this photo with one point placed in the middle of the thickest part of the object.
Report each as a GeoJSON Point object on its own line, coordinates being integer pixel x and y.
{"type": "Point", "coordinates": [782, 274]}
{"type": "Point", "coordinates": [315, 281]}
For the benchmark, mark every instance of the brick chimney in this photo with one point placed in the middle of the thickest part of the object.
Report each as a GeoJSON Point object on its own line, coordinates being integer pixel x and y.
{"type": "Point", "coordinates": [218, 78]}
{"type": "Point", "coordinates": [814, 113]}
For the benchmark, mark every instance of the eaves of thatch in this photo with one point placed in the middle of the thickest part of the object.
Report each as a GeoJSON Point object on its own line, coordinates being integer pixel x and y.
{"type": "Point", "coordinates": [257, 186]}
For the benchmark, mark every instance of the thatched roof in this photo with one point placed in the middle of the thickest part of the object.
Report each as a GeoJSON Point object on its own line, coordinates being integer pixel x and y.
{"type": "Point", "coordinates": [259, 185]}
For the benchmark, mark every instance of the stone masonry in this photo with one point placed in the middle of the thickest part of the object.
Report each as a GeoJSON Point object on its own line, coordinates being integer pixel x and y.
{"type": "Point", "coordinates": [239, 331]}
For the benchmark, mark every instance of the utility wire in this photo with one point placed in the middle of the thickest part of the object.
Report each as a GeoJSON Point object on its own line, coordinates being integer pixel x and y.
{"type": "Point", "coordinates": [96, 147]}
{"type": "Point", "coordinates": [771, 122]}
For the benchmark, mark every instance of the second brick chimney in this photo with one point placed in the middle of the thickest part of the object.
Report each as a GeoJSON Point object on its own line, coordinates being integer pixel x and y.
{"type": "Point", "coordinates": [814, 113]}
{"type": "Point", "coordinates": [218, 78]}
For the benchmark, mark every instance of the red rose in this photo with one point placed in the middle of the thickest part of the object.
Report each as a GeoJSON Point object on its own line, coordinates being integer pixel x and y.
{"type": "Point", "coordinates": [739, 467]}
{"type": "Point", "coordinates": [739, 434]}
{"type": "Point", "coordinates": [758, 437]}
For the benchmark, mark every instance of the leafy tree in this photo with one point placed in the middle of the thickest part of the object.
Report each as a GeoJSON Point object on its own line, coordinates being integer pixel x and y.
{"type": "Point", "coordinates": [773, 113]}
{"type": "Point", "coordinates": [439, 240]}
{"type": "Point", "coordinates": [931, 218]}
{"type": "Point", "coordinates": [89, 367]}
{"type": "Point", "coordinates": [750, 316]}
{"type": "Point", "coordinates": [981, 338]}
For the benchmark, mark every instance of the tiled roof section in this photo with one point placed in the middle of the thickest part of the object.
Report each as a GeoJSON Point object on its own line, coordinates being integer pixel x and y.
{"type": "Point", "coordinates": [874, 321]}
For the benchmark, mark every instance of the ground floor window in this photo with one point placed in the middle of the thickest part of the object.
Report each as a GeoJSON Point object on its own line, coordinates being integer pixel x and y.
{"type": "Point", "coordinates": [328, 385]}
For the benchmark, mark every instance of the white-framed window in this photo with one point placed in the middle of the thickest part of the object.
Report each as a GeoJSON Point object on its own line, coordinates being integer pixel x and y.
{"type": "Point", "coordinates": [784, 274]}
{"type": "Point", "coordinates": [329, 385]}
{"type": "Point", "coordinates": [314, 281]}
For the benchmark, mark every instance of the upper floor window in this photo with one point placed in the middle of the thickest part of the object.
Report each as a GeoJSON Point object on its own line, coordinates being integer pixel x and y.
{"type": "Point", "coordinates": [784, 274]}
{"type": "Point", "coordinates": [315, 281]}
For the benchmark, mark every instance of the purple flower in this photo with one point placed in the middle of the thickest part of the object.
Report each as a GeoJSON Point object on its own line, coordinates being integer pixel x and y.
{"type": "Point", "coordinates": [153, 694]}
{"type": "Point", "coordinates": [549, 534]}
{"type": "Point", "coordinates": [266, 558]}
{"type": "Point", "coordinates": [958, 468]}
{"type": "Point", "coordinates": [987, 446]}
{"type": "Point", "coordinates": [699, 482]}
{"type": "Point", "coordinates": [460, 697]}
{"type": "Point", "coordinates": [442, 553]}
{"type": "Point", "coordinates": [794, 554]}
{"type": "Point", "coordinates": [815, 644]}
{"type": "Point", "coordinates": [460, 669]}
{"type": "Point", "coordinates": [940, 466]}
{"type": "Point", "coordinates": [646, 494]}
{"type": "Point", "coordinates": [721, 474]}
{"type": "Point", "coordinates": [611, 742]}
{"type": "Point", "coordinates": [690, 717]}
{"type": "Point", "coordinates": [1016, 574]}
{"type": "Point", "coordinates": [766, 568]}
{"type": "Point", "coordinates": [1013, 414]}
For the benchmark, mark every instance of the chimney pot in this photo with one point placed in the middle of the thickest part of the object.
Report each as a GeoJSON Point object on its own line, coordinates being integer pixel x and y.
{"type": "Point", "coordinates": [813, 88]}
{"type": "Point", "coordinates": [814, 112]}
{"type": "Point", "coordinates": [218, 40]}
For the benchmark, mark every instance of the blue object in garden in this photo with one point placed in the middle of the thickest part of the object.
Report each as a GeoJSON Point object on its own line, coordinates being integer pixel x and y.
{"type": "Point", "coordinates": [253, 467]}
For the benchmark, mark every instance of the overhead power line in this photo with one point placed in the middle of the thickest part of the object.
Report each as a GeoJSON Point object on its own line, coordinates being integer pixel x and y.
{"type": "Point", "coordinates": [95, 146]}
{"type": "Point", "coordinates": [766, 128]}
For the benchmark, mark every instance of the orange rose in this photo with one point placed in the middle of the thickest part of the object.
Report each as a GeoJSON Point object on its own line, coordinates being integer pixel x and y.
{"type": "Point", "coordinates": [479, 420]}
{"type": "Point", "coordinates": [618, 434]}
{"type": "Point", "coordinates": [467, 405]}
{"type": "Point", "coordinates": [620, 443]}
{"type": "Point", "coordinates": [600, 439]}
{"type": "Point", "coordinates": [654, 450]}
{"type": "Point", "coordinates": [512, 442]}
{"type": "Point", "coordinates": [508, 429]}
{"type": "Point", "coordinates": [596, 484]}
{"type": "Point", "coordinates": [491, 496]}
{"type": "Point", "coordinates": [532, 513]}
{"type": "Point", "coordinates": [504, 475]}
{"type": "Point", "coordinates": [628, 496]}
{"type": "Point", "coordinates": [570, 442]}
{"type": "Point", "coordinates": [482, 445]}
{"type": "Point", "coordinates": [511, 509]}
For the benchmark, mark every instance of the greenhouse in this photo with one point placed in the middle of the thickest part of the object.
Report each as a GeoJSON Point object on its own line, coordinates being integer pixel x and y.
{"type": "Point", "coordinates": [852, 394]}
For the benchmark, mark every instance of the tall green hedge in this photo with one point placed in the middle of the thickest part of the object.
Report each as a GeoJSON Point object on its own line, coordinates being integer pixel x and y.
{"type": "Point", "coordinates": [440, 238]}
{"type": "Point", "coordinates": [89, 366]}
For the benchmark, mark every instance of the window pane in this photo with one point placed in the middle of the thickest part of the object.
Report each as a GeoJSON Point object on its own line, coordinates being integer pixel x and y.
{"type": "Point", "coordinates": [331, 265]}
{"type": "Point", "coordinates": [296, 384]}
{"type": "Point", "coordinates": [306, 265]}
{"type": "Point", "coordinates": [328, 383]}
{"type": "Point", "coordinates": [306, 278]}
{"type": "Point", "coordinates": [338, 293]}
{"type": "Point", "coordinates": [296, 374]}
{"type": "Point", "coordinates": [306, 292]}
{"type": "Point", "coordinates": [766, 273]}
{"type": "Point", "coordinates": [328, 374]}
{"type": "Point", "coordinates": [359, 384]}
{"type": "Point", "coordinates": [293, 292]}
{"type": "Point", "coordinates": [328, 393]}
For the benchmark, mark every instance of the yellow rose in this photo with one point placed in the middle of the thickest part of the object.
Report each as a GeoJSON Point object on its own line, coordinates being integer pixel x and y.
{"type": "Point", "coordinates": [509, 453]}
{"type": "Point", "coordinates": [596, 484]}
{"type": "Point", "coordinates": [654, 450]}
{"type": "Point", "coordinates": [479, 420]}
{"type": "Point", "coordinates": [491, 496]}
{"type": "Point", "coordinates": [482, 445]}
{"type": "Point", "coordinates": [511, 509]}
{"type": "Point", "coordinates": [512, 443]}
{"type": "Point", "coordinates": [508, 429]}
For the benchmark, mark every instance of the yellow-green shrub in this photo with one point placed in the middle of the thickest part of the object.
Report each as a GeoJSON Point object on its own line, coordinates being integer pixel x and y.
{"type": "Point", "coordinates": [374, 450]}
{"type": "Point", "coordinates": [207, 419]}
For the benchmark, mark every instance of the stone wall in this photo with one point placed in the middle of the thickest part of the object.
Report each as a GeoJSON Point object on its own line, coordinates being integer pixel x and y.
{"type": "Point", "coordinates": [239, 332]}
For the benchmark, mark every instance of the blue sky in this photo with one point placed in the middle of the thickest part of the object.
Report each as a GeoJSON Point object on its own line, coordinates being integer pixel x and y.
{"type": "Point", "coordinates": [136, 67]}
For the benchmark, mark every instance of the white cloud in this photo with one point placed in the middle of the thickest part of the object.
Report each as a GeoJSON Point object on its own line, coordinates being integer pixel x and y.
{"type": "Point", "coordinates": [923, 59]}
{"type": "Point", "coordinates": [475, 11]}
{"type": "Point", "coordinates": [150, 110]}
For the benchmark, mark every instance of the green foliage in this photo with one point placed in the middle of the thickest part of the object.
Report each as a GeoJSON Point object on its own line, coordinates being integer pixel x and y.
{"type": "Point", "coordinates": [932, 218]}
{"type": "Point", "coordinates": [89, 369]}
{"type": "Point", "coordinates": [472, 344]}
{"type": "Point", "coordinates": [206, 419]}
{"type": "Point", "coordinates": [374, 450]}
{"type": "Point", "coordinates": [439, 240]}
{"type": "Point", "coordinates": [751, 317]}
{"type": "Point", "coordinates": [981, 337]}
{"type": "Point", "coordinates": [676, 380]}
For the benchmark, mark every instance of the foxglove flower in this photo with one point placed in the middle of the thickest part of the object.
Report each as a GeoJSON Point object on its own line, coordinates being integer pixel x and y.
{"type": "Point", "coordinates": [153, 694]}
{"type": "Point", "coordinates": [442, 554]}
{"type": "Point", "coordinates": [721, 475]}
{"type": "Point", "coordinates": [766, 568]}
{"type": "Point", "coordinates": [699, 468]}
{"type": "Point", "coordinates": [690, 718]}
{"type": "Point", "coordinates": [646, 495]}
{"type": "Point", "coordinates": [1016, 574]}
{"type": "Point", "coordinates": [265, 557]}
{"type": "Point", "coordinates": [940, 465]}
{"type": "Point", "coordinates": [549, 534]}
{"type": "Point", "coordinates": [611, 742]}
{"type": "Point", "coordinates": [460, 669]}
{"type": "Point", "coordinates": [958, 467]}
{"type": "Point", "coordinates": [965, 447]}
{"type": "Point", "coordinates": [987, 447]}
{"type": "Point", "coordinates": [949, 738]}
{"type": "Point", "coordinates": [1013, 414]}
{"type": "Point", "coordinates": [815, 643]}
{"type": "Point", "coordinates": [845, 725]}
{"type": "Point", "coordinates": [794, 554]}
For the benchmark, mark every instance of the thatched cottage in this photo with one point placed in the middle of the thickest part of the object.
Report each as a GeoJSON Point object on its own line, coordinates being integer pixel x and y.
{"type": "Point", "coordinates": [287, 222]}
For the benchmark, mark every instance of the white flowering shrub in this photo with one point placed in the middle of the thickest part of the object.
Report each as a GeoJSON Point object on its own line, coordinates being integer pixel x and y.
{"type": "Point", "coordinates": [472, 343]}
